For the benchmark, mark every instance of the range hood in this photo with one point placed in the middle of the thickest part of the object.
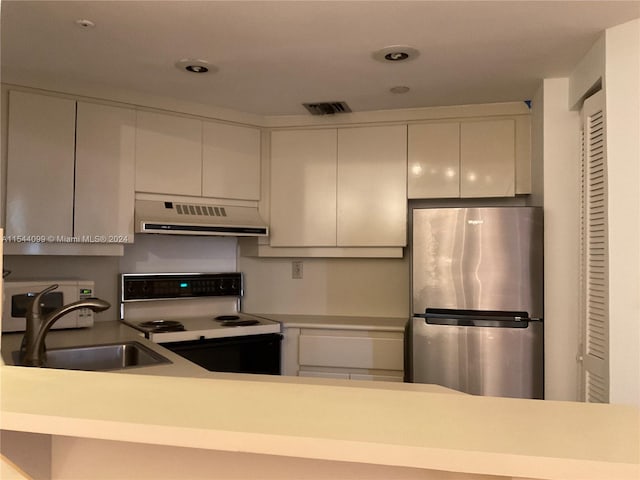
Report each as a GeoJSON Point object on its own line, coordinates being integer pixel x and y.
{"type": "Point", "coordinates": [183, 218]}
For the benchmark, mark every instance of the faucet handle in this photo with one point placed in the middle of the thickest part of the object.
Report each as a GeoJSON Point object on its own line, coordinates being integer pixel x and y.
{"type": "Point", "coordinates": [35, 304]}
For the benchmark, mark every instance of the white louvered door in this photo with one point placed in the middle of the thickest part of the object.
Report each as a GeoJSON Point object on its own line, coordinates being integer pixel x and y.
{"type": "Point", "coordinates": [594, 248]}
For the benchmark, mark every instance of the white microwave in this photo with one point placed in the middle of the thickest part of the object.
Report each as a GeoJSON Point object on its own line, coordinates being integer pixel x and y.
{"type": "Point", "coordinates": [18, 296]}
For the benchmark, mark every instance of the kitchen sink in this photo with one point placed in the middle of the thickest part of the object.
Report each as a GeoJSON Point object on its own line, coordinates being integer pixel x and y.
{"type": "Point", "coordinates": [116, 356]}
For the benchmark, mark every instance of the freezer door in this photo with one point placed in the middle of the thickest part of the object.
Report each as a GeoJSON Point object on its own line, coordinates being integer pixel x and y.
{"type": "Point", "coordinates": [477, 258]}
{"type": "Point", "coordinates": [500, 360]}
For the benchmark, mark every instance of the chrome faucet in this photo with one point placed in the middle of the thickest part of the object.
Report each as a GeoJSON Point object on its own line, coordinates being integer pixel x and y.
{"type": "Point", "coordinates": [33, 350]}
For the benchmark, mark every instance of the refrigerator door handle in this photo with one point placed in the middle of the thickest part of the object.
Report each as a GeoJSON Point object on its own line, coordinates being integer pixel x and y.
{"type": "Point", "coordinates": [477, 318]}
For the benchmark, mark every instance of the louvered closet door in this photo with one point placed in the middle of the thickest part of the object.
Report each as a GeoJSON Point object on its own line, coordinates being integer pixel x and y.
{"type": "Point", "coordinates": [595, 288]}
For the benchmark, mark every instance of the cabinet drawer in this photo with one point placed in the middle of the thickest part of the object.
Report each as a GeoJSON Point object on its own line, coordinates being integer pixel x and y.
{"type": "Point", "coordinates": [351, 352]}
{"type": "Point", "coordinates": [304, 373]}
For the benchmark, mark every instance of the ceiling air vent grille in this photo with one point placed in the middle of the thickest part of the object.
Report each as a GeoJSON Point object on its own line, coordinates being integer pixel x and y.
{"type": "Point", "coordinates": [327, 108]}
{"type": "Point", "coordinates": [202, 210]}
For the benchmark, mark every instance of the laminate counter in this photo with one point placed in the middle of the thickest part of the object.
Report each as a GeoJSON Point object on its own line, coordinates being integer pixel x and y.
{"type": "Point", "coordinates": [338, 322]}
{"type": "Point", "coordinates": [357, 424]}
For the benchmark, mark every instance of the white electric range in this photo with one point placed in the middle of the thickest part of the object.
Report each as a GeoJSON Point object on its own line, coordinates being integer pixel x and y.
{"type": "Point", "coordinates": [198, 316]}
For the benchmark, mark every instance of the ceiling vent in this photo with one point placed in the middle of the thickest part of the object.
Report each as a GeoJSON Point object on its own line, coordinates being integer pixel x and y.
{"type": "Point", "coordinates": [327, 108]}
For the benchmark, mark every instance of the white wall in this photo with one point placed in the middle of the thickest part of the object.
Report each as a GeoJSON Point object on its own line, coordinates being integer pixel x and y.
{"type": "Point", "coordinates": [357, 287]}
{"type": "Point", "coordinates": [557, 148]}
{"type": "Point", "coordinates": [149, 253]}
{"type": "Point", "coordinates": [614, 61]}
{"type": "Point", "coordinates": [622, 92]}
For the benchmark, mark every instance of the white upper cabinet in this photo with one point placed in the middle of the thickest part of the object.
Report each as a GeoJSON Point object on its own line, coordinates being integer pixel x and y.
{"type": "Point", "coordinates": [105, 172]}
{"type": "Point", "coordinates": [487, 153]}
{"type": "Point", "coordinates": [434, 160]}
{"type": "Point", "coordinates": [372, 186]}
{"type": "Point", "coordinates": [70, 170]}
{"type": "Point", "coordinates": [230, 161]}
{"type": "Point", "coordinates": [470, 159]}
{"type": "Point", "coordinates": [338, 188]}
{"type": "Point", "coordinates": [303, 188]}
{"type": "Point", "coordinates": [41, 143]}
{"type": "Point", "coordinates": [168, 154]}
{"type": "Point", "coordinates": [186, 156]}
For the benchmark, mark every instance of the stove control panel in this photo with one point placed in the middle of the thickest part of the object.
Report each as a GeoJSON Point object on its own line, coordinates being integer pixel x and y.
{"type": "Point", "coordinates": [158, 286]}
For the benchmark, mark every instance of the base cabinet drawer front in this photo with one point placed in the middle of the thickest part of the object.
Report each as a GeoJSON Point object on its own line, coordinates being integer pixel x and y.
{"type": "Point", "coordinates": [351, 352]}
{"type": "Point", "coordinates": [306, 373]}
{"type": "Point", "coordinates": [377, 377]}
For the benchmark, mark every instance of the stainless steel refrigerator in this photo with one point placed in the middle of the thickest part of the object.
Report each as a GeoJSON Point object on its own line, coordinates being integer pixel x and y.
{"type": "Point", "coordinates": [477, 306]}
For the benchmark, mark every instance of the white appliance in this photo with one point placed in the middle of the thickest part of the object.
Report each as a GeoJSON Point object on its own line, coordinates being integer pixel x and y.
{"type": "Point", "coordinates": [182, 218]}
{"type": "Point", "coordinates": [197, 316]}
{"type": "Point", "coordinates": [18, 296]}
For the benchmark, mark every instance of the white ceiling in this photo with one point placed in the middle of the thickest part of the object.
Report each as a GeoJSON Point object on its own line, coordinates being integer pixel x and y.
{"type": "Point", "coordinates": [273, 56]}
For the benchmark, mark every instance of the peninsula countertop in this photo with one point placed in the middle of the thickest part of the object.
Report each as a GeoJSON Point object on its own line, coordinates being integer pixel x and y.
{"type": "Point", "coordinates": [364, 422]}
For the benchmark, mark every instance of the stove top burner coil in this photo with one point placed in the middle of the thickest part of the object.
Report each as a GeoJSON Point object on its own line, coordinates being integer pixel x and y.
{"type": "Point", "coordinates": [159, 326]}
{"type": "Point", "coordinates": [224, 318]}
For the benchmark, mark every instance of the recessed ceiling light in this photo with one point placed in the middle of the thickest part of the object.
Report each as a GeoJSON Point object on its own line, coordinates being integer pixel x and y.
{"type": "Point", "coordinates": [195, 66]}
{"type": "Point", "coordinates": [84, 23]}
{"type": "Point", "coordinates": [396, 53]}
{"type": "Point", "coordinates": [399, 89]}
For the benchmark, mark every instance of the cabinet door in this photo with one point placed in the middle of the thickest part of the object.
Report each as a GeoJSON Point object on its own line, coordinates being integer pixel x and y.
{"type": "Point", "coordinates": [372, 186]}
{"type": "Point", "coordinates": [105, 169]}
{"type": "Point", "coordinates": [433, 157]}
{"type": "Point", "coordinates": [303, 188]}
{"type": "Point", "coordinates": [230, 161]}
{"type": "Point", "coordinates": [382, 353]}
{"type": "Point", "coordinates": [487, 158]}
{"type": "Point", "coordinates": [168, 154]}
{"type": "Point", "coordinates": [40, 165]}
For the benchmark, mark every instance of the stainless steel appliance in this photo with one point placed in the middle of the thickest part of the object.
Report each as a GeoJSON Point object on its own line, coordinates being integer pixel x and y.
{"type": "Point", "coordinates": [198, 316]}
{"type": "Point", "coordinates": [477, 306]}
{"type": "Point", "coordinates": [18, 296]}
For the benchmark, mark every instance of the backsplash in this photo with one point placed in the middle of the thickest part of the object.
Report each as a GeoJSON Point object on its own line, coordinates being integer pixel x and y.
{"type": "Point", "coordinates": [329, 286]}
{"type": "Point", "coordinates": [149, 253]}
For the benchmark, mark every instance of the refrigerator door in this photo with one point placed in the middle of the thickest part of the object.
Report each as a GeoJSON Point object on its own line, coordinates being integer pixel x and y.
{"type": "Point", "coordinates": [477, 258]}
{"type": "Point", "coordinates": [503, 360]}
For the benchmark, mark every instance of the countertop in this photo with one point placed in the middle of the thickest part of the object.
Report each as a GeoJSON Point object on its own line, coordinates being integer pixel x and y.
{"type": "Point", "coordinates": [106, 332]}
{"type": "Point", "coordinates": [414, 426]}
{"type": "Point", "coordinates": [338, 322]}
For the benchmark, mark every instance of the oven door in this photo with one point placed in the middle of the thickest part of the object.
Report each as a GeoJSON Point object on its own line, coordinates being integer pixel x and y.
{"type": "Point", "coordinates": [243, 354]}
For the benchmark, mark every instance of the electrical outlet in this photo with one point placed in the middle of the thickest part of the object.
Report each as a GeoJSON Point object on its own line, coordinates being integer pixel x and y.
{"type": "Point", "coordinates": [296, 269]}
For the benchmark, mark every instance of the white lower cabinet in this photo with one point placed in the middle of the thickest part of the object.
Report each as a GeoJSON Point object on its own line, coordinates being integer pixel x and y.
{"type": "Point", "coordinates": [347, 354]}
